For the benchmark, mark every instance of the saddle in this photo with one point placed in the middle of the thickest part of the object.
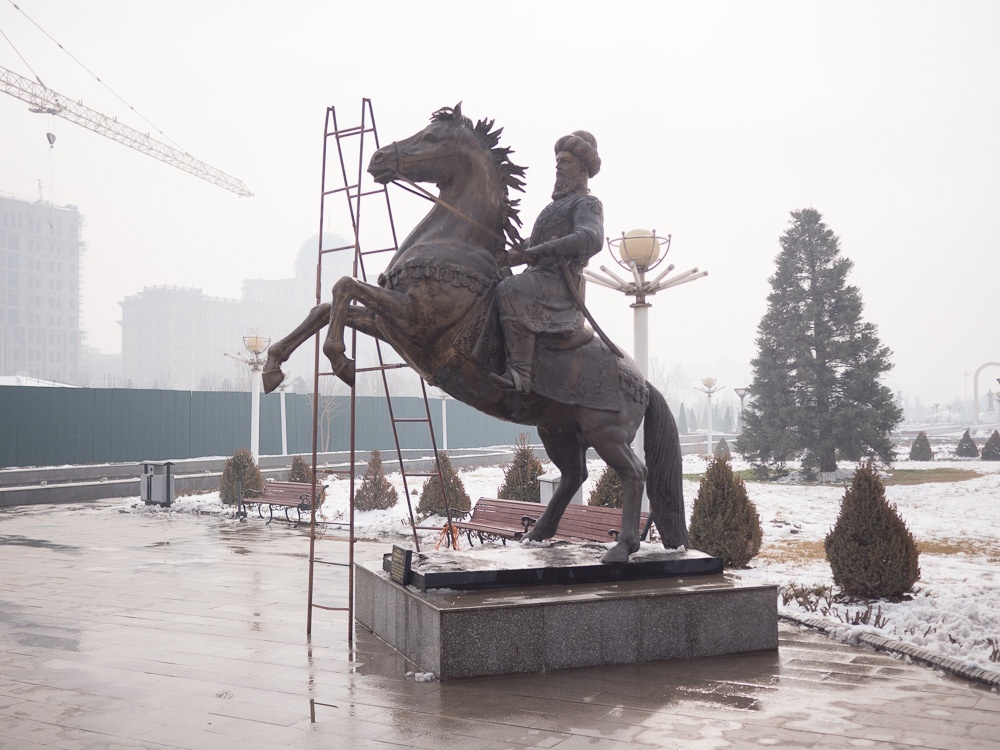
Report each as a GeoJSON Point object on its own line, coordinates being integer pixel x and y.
{"type": "Point", "coordinates": [579, 370]}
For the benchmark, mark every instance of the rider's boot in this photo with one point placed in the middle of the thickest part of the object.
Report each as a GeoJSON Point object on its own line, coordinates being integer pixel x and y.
{"type": "Point", "coordinates": [520, 355]}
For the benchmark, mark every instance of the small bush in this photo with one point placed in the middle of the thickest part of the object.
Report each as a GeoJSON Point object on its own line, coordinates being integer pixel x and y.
{"type": "Point", "coordinates": [300, 471]}
{"type": "Point", "coordinates": [431, 499]}
{"type": "Point", "coordinates": [608, 490]}
{"type": "Point", "coordinates": [721, 450]}
{"type": "Point", "coordinates": [921, 449]}
{"type": "Point", "coordinates": [871, 552]}
{"type": "Point", "coordinates": [967, 447]}
{"type": "Point", "coordinates": [520, 476]}
{"type": "Point", "coordinates": [724, 521]}
{"type": "Point", "coordinates": [375, 492]}
{"type": "Point", "coordinates": [991, 451]}
{"type": "Point", "coordinates": [240, 474]}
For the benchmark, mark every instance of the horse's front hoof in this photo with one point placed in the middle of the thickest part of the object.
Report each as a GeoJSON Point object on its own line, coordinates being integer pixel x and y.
{"type": "Point", "coordinates": [272, 379]}
{"type": "Point", "coordinates": [617, 554]}
{"type": "Point", "coordinates": [346, 373]}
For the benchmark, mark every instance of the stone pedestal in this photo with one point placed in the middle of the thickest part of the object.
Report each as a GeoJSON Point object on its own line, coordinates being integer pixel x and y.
{"type": "Point", "coordinates": [534, 629]}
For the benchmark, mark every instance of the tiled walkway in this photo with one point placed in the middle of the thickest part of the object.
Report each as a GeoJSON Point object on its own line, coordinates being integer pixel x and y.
{"type": "Point", "coordinates": [122, 630]}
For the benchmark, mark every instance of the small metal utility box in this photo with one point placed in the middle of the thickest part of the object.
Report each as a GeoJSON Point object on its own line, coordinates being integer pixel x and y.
{"type": "Point", "coordinates": [156, 484]}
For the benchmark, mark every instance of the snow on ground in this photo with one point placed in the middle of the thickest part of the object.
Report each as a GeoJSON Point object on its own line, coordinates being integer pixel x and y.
{"type": "Point", "coordinates": [954, 611]}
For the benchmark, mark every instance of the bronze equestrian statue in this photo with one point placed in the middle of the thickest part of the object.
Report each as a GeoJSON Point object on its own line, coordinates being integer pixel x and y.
{"type": "Point", "coordinates": [441, 300]}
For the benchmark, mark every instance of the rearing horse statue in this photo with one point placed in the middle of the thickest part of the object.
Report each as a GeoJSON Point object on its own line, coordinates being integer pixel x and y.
{"type": "Point", "coordinates": [435, 306]}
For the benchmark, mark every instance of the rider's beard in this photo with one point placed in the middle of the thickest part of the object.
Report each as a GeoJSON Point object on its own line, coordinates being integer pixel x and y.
{"type": "Point", "coordinates": [567, 185]}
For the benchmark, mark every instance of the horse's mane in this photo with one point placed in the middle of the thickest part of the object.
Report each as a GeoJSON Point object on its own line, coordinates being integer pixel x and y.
{"type": "Point", "coordinates": [510, 173]}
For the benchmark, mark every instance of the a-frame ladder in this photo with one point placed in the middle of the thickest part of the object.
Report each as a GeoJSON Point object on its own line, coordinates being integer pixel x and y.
{"type": "Point", "coordinates": [345, 198]}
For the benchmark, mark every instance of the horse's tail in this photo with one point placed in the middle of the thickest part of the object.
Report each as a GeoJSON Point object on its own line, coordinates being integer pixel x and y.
{"type": "Point", "coordinates": [665, 478]}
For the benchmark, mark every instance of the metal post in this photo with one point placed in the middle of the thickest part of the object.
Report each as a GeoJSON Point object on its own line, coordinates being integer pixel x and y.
{"type": "Point", "coordinates": [284, 423]}
{"type": "Point", "coordinates": [709, 423]}
{"type": "Point", "coordinates": [255, 378]}
{"type": "Point", "coordinates": [444, 421]}
{"type": "Point", "coordinates": [640, 342]}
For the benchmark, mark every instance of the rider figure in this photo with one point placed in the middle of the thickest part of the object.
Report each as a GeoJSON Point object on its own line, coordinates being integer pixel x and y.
{"type": "Point", "coordinates": [568, 232]}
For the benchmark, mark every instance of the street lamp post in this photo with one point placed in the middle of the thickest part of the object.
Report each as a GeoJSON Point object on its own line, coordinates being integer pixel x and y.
{"type": "Point", "coordinates": [639, 251]}
{"type": "Point", "coordinates": [256, 345]}
{"type": "Point", "coordinates": [708, 390]}
{"type": "Point", "coordinates": [284, 419]}
{"type": "Point", "coordinates": [741, 392]}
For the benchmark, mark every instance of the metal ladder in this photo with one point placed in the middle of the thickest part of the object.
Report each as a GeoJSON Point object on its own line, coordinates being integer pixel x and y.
{"type": "Point", "coordinates": [352, 193]}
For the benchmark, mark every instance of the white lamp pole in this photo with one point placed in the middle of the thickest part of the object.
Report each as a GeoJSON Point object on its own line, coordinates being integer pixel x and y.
{"type": "Point", "coordinates": [708, 390]}
{"type": "Point", "coordinates": [639, 251]}
{"type": "Point", "coordinates": [256, 345]}
{"type": "Point", "coordinates": [741, 392]}
{"type": "Point", "coordinates": [284, 421]}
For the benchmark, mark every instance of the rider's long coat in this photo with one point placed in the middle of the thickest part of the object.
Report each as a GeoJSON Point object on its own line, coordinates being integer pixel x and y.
{"type": "Point", "coordinates": [537, 299]}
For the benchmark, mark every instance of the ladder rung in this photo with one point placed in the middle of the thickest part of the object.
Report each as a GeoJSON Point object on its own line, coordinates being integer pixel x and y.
{"type": "Point", "coordinates": [391, 366]}
{"type": "Point", "coordinates": [329, 609]}
{"type": "Point", "coordinates": [420, 474]}
{"type": "Point", "coordinates": [411, 419]}
{"type": "Point", "coordinates": [336, 249]}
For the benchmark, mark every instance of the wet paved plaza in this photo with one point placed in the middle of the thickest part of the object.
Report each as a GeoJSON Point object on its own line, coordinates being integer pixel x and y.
{"type": "Point", "coordinates": [161, 630]}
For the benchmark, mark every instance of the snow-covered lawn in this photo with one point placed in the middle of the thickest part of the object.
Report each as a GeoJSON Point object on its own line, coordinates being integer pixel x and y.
{"type": "Point", "coordinates": [954, 611]}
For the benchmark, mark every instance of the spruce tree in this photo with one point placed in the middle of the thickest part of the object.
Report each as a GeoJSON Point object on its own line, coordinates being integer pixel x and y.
{"type": "Point", "coordinates": [608, 491]}
{"type": "Point", "coordinates": [300, 471]}
{"type": "Point", "coordinates": [240, 475]}
{"type": "Point", "coordinates": [967, 447]}
{"type": "Point", "coordinates": [721, 450]}
{"type": "Point", "coordinates": [682, 422]}
{"type": "Point", "coordinates": [432, 499]}
{"type": "Point", "coordinates": [375, 492]}
{"type": "Point", "coordinates": [991, 451]}
{"type": "Point", "coordinates": [816, 390]}
{"type": "Point", "coordinates": [520, 476]}
{"type": "Point", "coordinates": [921, 448]}
{"type": "Point", "coordinates": [724, 521]}
{"type": "Point", "coordinates": [871, 552]}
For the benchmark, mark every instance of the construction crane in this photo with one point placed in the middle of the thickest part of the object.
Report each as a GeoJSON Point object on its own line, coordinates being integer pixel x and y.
{"type": "Point", "coordinates": [43, 100]}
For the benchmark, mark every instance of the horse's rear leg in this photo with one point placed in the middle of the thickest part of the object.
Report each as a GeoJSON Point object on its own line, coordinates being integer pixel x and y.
{"type": "Point", "coordinates": [611, 446]}
{"type": "Point", "coordinates": [278, 353]}
{"type": "Point", "coordinates": [568, 451]}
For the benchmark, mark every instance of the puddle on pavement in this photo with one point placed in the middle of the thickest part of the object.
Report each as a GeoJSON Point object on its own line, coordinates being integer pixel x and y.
{"type": "Point", "coordinates": [23, 541]}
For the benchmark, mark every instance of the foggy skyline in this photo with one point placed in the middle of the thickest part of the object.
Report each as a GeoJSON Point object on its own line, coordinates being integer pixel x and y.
{"type": "Point", "coordinates": [714, 122]}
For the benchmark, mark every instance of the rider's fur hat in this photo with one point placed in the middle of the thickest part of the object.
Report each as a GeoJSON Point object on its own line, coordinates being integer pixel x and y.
{"type": "Point", "coordinates": [583, 146]}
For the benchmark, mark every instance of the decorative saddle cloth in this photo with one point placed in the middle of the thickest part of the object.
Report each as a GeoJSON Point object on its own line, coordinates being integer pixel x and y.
{"type": "Point", "coordinates": [579, 370]}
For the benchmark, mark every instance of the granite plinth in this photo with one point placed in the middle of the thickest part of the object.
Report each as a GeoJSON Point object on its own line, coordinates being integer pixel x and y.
{"type": "Point", "coordinates": [458, 634]}
{"type": "Point", "coordinates": [559, 565]}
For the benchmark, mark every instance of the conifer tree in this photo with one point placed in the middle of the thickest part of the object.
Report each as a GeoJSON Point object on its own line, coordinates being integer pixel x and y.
{"type": "Point", "coordinates": [300, 471]}
{"type": "Point", "coordinates": [816, 390]}
{"type": "Point", "coordinates": [375, 492]}
{"type": "Point", "coordinates": [871, 552]}
{"type": "Point", "coordinates": [921, 448]}
{"type": "Point", "coordinates": [682, 422]}
{"type": "Point", "coordinates": [721, 450]}
{"type": "Point", "coordinates": [991, 451]}
{"type": "Point", "coordinates": [967, 447]}
{"type": "Point", "coordinates": [431, 498]}
{"type": "Point", "coordinates": [608, 490]}
{"type": "Point", "coordinates": [520, 476]}
{"type": "Point", "coordinates": [724, 521]}
{"type": "Point", "coordinates": [240, 474]}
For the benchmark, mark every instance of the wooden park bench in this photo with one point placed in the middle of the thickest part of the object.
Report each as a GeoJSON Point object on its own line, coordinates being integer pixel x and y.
{"type": "Point", "coordinates": [493, 519]}
{"type": "Point", "coordinates": [281, 495]}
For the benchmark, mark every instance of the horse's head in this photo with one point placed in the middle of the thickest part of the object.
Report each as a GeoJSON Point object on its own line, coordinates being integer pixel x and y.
{"type": "Point", "coordinates": [432, 155]}
{"type": "Point", "coordinates": [463, 158]}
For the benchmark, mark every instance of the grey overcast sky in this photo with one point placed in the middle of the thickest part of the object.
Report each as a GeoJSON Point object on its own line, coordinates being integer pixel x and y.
{"type": "Point", "coordinates": [715, 120]}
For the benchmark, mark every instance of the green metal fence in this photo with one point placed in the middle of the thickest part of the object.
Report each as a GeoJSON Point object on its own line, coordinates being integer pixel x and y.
{"type": "Point", "coordinates": [55, 426]}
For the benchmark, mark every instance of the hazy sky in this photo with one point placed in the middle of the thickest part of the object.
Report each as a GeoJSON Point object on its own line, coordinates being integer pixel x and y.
{"type": "Point", "coordinates": [715, 120]}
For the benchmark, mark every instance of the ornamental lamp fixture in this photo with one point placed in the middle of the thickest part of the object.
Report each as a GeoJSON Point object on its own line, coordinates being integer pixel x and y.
{"type": "Point", "coordinates": [642, 247]}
